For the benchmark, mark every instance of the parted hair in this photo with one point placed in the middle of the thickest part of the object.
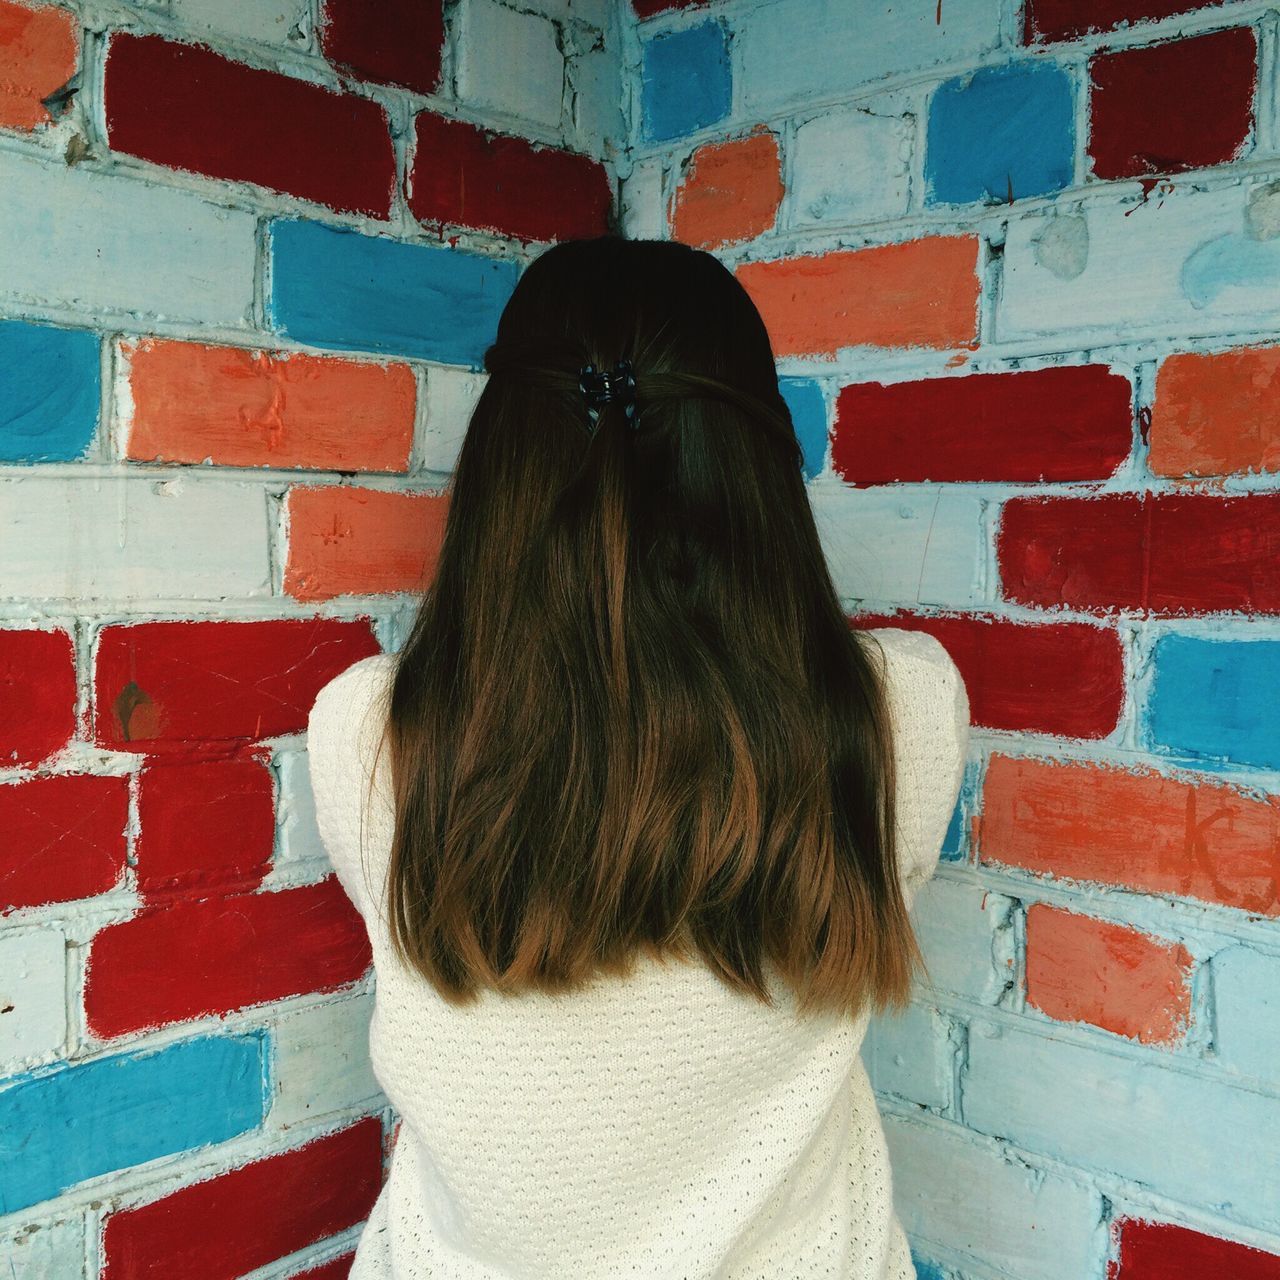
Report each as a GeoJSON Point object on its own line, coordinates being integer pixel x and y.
{"type": "Point", "coordinates": [631, 717]}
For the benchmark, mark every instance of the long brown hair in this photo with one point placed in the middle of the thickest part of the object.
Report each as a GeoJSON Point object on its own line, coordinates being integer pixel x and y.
{"type": "Point", "coordinates": [631, 716]}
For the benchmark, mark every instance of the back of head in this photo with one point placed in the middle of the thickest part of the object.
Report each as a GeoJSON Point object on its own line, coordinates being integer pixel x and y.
{"type": "Point", "coordinates": [631, 716]}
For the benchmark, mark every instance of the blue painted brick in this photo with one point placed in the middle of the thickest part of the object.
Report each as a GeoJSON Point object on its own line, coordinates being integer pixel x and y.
{"type": "Point", "coordinates": [926, 1270]}
{"type": "Point", "coordinates": [61, 1127]}
{"type": "Point", "coordinates": [955, 841]}
{"type": "Point", "coordinates": [50, 387]}
{"type": "Point", "coordinates": [1000, 129]}
{"type": "Point", "coordinates": [1216, 698]}
{"type": "Point", "coordinates": [809, 417]}
{"type": "Point", "coordinates": [352, 292]}
{"type": "Point", "coordinates": [685, 83]}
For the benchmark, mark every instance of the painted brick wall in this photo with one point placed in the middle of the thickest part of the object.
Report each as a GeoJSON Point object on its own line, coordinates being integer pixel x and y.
{"type": "Point", "coordinates": [1020, 262]}
{"type": "Point", "coordinates": [230, 401]}
{"type": "Point", "coordinates": [1021, 266]}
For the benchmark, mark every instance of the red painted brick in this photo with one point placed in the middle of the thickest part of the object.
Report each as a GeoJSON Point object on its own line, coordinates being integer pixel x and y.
{"type": "Point", "coordinates": [1132, 828]}
{"type": "Point", "coordinates": [1165, 553]}
{"type": "Point", "coordinates": [391, 42]}
{"type": "Point", "coordinates": [1216, 413]}
{"type": "Point", "coordinates": [336, 1269]}
{"type": "Point", "coordinates": [64, 838]}
{"type": "Point", "coordinates": [189, 959]}
{"type": "Point", "coordinates": [921, 293]}
{"type": "Point", "coordinates": [251, 1216]}
{"type": "Point", "coordinates": [1067, 422]}
{"type": "Point", "coordinates": [161, 686]}
{"type": "Point", "coordinates": [1167, 1251]}
{"type": "Point", "coordinates": [1170, 107]}
{"type": "Point", "coordinates": [1066, 19]}
{"type": "Point", "coordinates": [1081, 969]}
{"type": "Point", "coordinates": [648, 8]}
{"type": "Point", "coordinates": [204, 823]}
{"type": "Point", "coordinates": [730, 191]}
{"type": "Point", "coordinates": [186, 107]}
{"type": "Point", "coordinates": [39, 48]}
{"type": "Point", "coordinates": [1063, 678]}
{"type": "Point", "coordinates": [37, 695]}
{"type": "Point", "coordinates": [349, 541]}
{"type": "Point", "coordinates": [244, 408]}
{"type": "Point", "coordinates": [465, 176]}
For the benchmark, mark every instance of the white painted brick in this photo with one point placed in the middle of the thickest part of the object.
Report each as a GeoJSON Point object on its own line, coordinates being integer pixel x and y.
{"type": "Point", "coordinates": [1183, 263]}
{"type": "Point", "coordinates": [321, 1062]}
{"type": "Point", "coordinates": [596, 12]}
{"type": "Point", "coordinates": [300, 854]}
{"type": "Point", "coordinates": [121, 246]}
{"type": "Point", "coordinates": [961, 1193]}
{"type": "Point", "coordinates": [851, 164]}
{"type": "Point", "coordinates": [792, 50]}
{"type": "Point", "coordinates": [908, 1054]}
{"type": "Point", "coordinates": [510, 62]}
{"type": "Point", "coordinates": [1246, 986]}
{"type": "Point", "coordinates": [595, 74]}
{"type": "Point", "coordinates": [964, 934]}
{"type": "Point", "coordinates": [1192, 1138]}
{"type": "Point", "coordinates": [643, 214]}
{"type": "Point", "coordinates": [451, 397]}
{"type": "Point", "coordinates": [279, 22]}
{"type": "Point", "coordinates": [901, 544]}
{"type": "Point", "coordinates": [44, 1251]}
{"type": "Point", "coordinates": [33, 970]}
{"type": "Point", "coordinates": [124, 536]}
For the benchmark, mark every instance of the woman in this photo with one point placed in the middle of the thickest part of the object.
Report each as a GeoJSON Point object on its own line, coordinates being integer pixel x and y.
{"type": "Point", "coordinates": [636, 850]}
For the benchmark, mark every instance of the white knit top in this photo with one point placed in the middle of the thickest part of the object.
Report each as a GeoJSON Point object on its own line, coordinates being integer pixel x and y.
{"type": "Point", "coordinates": [659, 1127]}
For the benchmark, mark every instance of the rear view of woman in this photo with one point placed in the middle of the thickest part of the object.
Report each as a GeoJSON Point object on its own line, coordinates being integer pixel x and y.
{"type": "Point", "coordinates": [634, 818]}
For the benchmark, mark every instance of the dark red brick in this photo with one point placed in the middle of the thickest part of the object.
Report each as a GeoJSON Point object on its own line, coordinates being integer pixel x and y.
{"type": "Point", "coordinates": [1068, 422]}
{"type": "Point", "coordinates": [648, 8]}
{"type": "Point", "coordinates": [465, 176]}
{"type": "Point", "coordinates": [1064, 678]}
{"type": "Point", "coordinates": [1166, 1251]}
{"type": "Point", "coordinates": [186, 960]}
{"type": "Point", "coordinates": [1169, 553]}
{"type": "Point", "coordinates": [1066, 19]}
{"type": "Point", "coordinates": [1165, 108]}
{"type": "Point", "coordinates": [37, 695]}
{"type": "Point", "coordinates": [251, 1216]}
{"type": "Point", "coordinates": [391, 42]}
{"type": "Point", "coordinates": [204, 823]}
{"type": "Point", "coordinates": [186, 107]}
{"type": "Point", "coordinates": [64, 838]}
{"type": "Point", "coordinates": [161, 686]}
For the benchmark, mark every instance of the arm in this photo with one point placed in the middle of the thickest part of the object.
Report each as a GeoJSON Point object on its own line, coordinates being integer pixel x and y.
{"type": "Point", "coordinates": [930, 712]}
{"type": "Point", "coordinates": [342, 732]}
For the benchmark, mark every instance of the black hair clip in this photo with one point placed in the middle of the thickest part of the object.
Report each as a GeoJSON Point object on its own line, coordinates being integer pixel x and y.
{"type": "Point", "coordinates": [614, 386]}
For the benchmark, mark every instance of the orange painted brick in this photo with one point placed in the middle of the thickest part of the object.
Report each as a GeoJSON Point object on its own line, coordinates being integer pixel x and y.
{"type": "Point", "coordinates": [1136, 830]}
{"type": "Point", "coordinates": [730, 191]}
{"type": "Point", "coordinates": [922, 293]}
{"type": "Point", "coordinates": [1217, 414]}
{"type": "Point", "coordinates": [348, 541]}
{"type": "Point", "coordinates": [1080, 969]}
{"type": "Point", "coordinates": [243, 408]}
{"type": "Point", "coordinates": [39, 48]}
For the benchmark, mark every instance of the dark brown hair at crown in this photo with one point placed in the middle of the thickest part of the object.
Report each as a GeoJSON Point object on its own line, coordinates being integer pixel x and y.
{"type": "Point", "coordinates": [631, 718]}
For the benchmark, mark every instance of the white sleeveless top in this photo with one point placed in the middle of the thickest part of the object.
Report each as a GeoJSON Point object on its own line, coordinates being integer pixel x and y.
{"type": "Point", "coordinates": [659, 1127]}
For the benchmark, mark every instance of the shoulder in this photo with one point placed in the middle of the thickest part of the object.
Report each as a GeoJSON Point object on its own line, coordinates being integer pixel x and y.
{"type": "Point", "coordinates": [348, 715]}
{"type": "Point", "coordinates": [920, 674]}
{"type": "Point", "coordinates": [351, 690]}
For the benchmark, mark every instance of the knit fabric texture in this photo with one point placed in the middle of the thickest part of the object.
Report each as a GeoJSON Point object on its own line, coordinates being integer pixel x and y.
{"type": "Point", "coordinates": [657, 1127]}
